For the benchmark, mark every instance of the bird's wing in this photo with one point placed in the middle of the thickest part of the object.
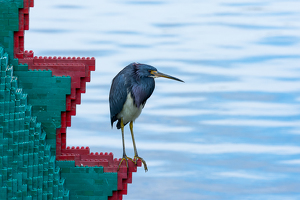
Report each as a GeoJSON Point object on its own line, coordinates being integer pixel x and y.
{"type": "Point", "coordinates": [142, 92]}
{"type": "Point", "coordinates": [117, 96]}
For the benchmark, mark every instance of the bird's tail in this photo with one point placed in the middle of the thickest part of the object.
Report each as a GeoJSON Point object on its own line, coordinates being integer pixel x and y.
{"type": "Point", "coordinates": [118, 124]}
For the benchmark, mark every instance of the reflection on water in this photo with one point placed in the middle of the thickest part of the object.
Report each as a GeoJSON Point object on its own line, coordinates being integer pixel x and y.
{"type": "Point", "coordinates": [231, 131]}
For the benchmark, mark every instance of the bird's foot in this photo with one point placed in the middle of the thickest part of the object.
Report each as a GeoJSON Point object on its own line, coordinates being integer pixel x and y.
{"type": "Point", "coordinates": [126, 160]}
{"type": "Point", "coordinates": [136, 157]}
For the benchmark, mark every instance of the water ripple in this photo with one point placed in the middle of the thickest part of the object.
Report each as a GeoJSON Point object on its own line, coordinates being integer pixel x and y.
{"type": "Point", "coordinates": [280, 40]}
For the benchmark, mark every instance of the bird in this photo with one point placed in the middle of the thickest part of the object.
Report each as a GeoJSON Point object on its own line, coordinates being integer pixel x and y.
{"type": "Point", "coordinates": [129, 92]}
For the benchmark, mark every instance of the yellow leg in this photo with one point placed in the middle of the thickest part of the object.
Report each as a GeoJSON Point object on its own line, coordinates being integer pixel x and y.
{"type": "Point", "coordinates": [136, 157]}
{"type": "Point", "coordinates": [124, 153]}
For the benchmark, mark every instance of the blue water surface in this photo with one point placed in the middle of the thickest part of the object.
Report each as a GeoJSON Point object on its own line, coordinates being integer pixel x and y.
{"type": "Point", "coordinates": [231, 131]}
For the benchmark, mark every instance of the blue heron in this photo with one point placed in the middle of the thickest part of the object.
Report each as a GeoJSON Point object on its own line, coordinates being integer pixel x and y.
{"type": "Point", "coordinates": [129, 91]}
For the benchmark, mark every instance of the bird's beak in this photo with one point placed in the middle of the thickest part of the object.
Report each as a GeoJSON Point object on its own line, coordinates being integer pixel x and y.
{"type": "Point", "coordinates": [159, 74]}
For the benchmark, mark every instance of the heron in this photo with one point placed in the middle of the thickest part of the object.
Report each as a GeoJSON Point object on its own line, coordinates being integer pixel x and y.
{"type": "Point", "coordinates": [130, 89]}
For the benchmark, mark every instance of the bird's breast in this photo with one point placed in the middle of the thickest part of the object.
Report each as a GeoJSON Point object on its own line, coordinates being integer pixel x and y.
{"type": "Point", "coordinates": [129, 111]}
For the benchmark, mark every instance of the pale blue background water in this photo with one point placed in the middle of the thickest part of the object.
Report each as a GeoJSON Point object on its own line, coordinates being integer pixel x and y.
{"type": "Point", "coordinates": [231, 131]}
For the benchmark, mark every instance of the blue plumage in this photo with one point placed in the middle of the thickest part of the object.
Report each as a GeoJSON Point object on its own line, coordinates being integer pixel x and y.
{"type": "Point", "coordinates": [135, 79]}
{"type": "Point", "coordinates": [129, 91]}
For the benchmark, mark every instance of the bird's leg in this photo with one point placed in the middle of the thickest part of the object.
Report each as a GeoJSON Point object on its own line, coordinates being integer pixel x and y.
{"type": "Point", "coordinates": [124, 153]}
{"type": "Point", "coordinates": [135, 151]}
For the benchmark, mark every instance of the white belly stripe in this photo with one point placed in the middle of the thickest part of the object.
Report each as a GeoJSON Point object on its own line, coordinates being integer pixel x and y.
{"type": "Point", "coordinates": [129, 111]}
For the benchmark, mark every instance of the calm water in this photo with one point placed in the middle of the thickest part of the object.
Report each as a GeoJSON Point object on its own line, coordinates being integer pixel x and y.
{"type": "Point", "coordinates": [231, 131]}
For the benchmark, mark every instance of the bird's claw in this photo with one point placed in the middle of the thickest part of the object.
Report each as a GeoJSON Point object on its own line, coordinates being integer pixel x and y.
{"type": "Point", "coordinates": [126, 160]}
{"type": "Point", "coordinates": [134, 160]}
{"type": "Point", "coordinates": [136, 157]}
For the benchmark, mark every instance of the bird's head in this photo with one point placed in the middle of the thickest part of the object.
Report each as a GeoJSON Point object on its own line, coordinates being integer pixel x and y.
{"type": "Point", "coordinates": [144, 70]}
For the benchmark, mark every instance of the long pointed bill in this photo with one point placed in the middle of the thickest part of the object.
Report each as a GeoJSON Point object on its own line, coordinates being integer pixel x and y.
{"type": "Point", "coordinates": [159, 74]}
